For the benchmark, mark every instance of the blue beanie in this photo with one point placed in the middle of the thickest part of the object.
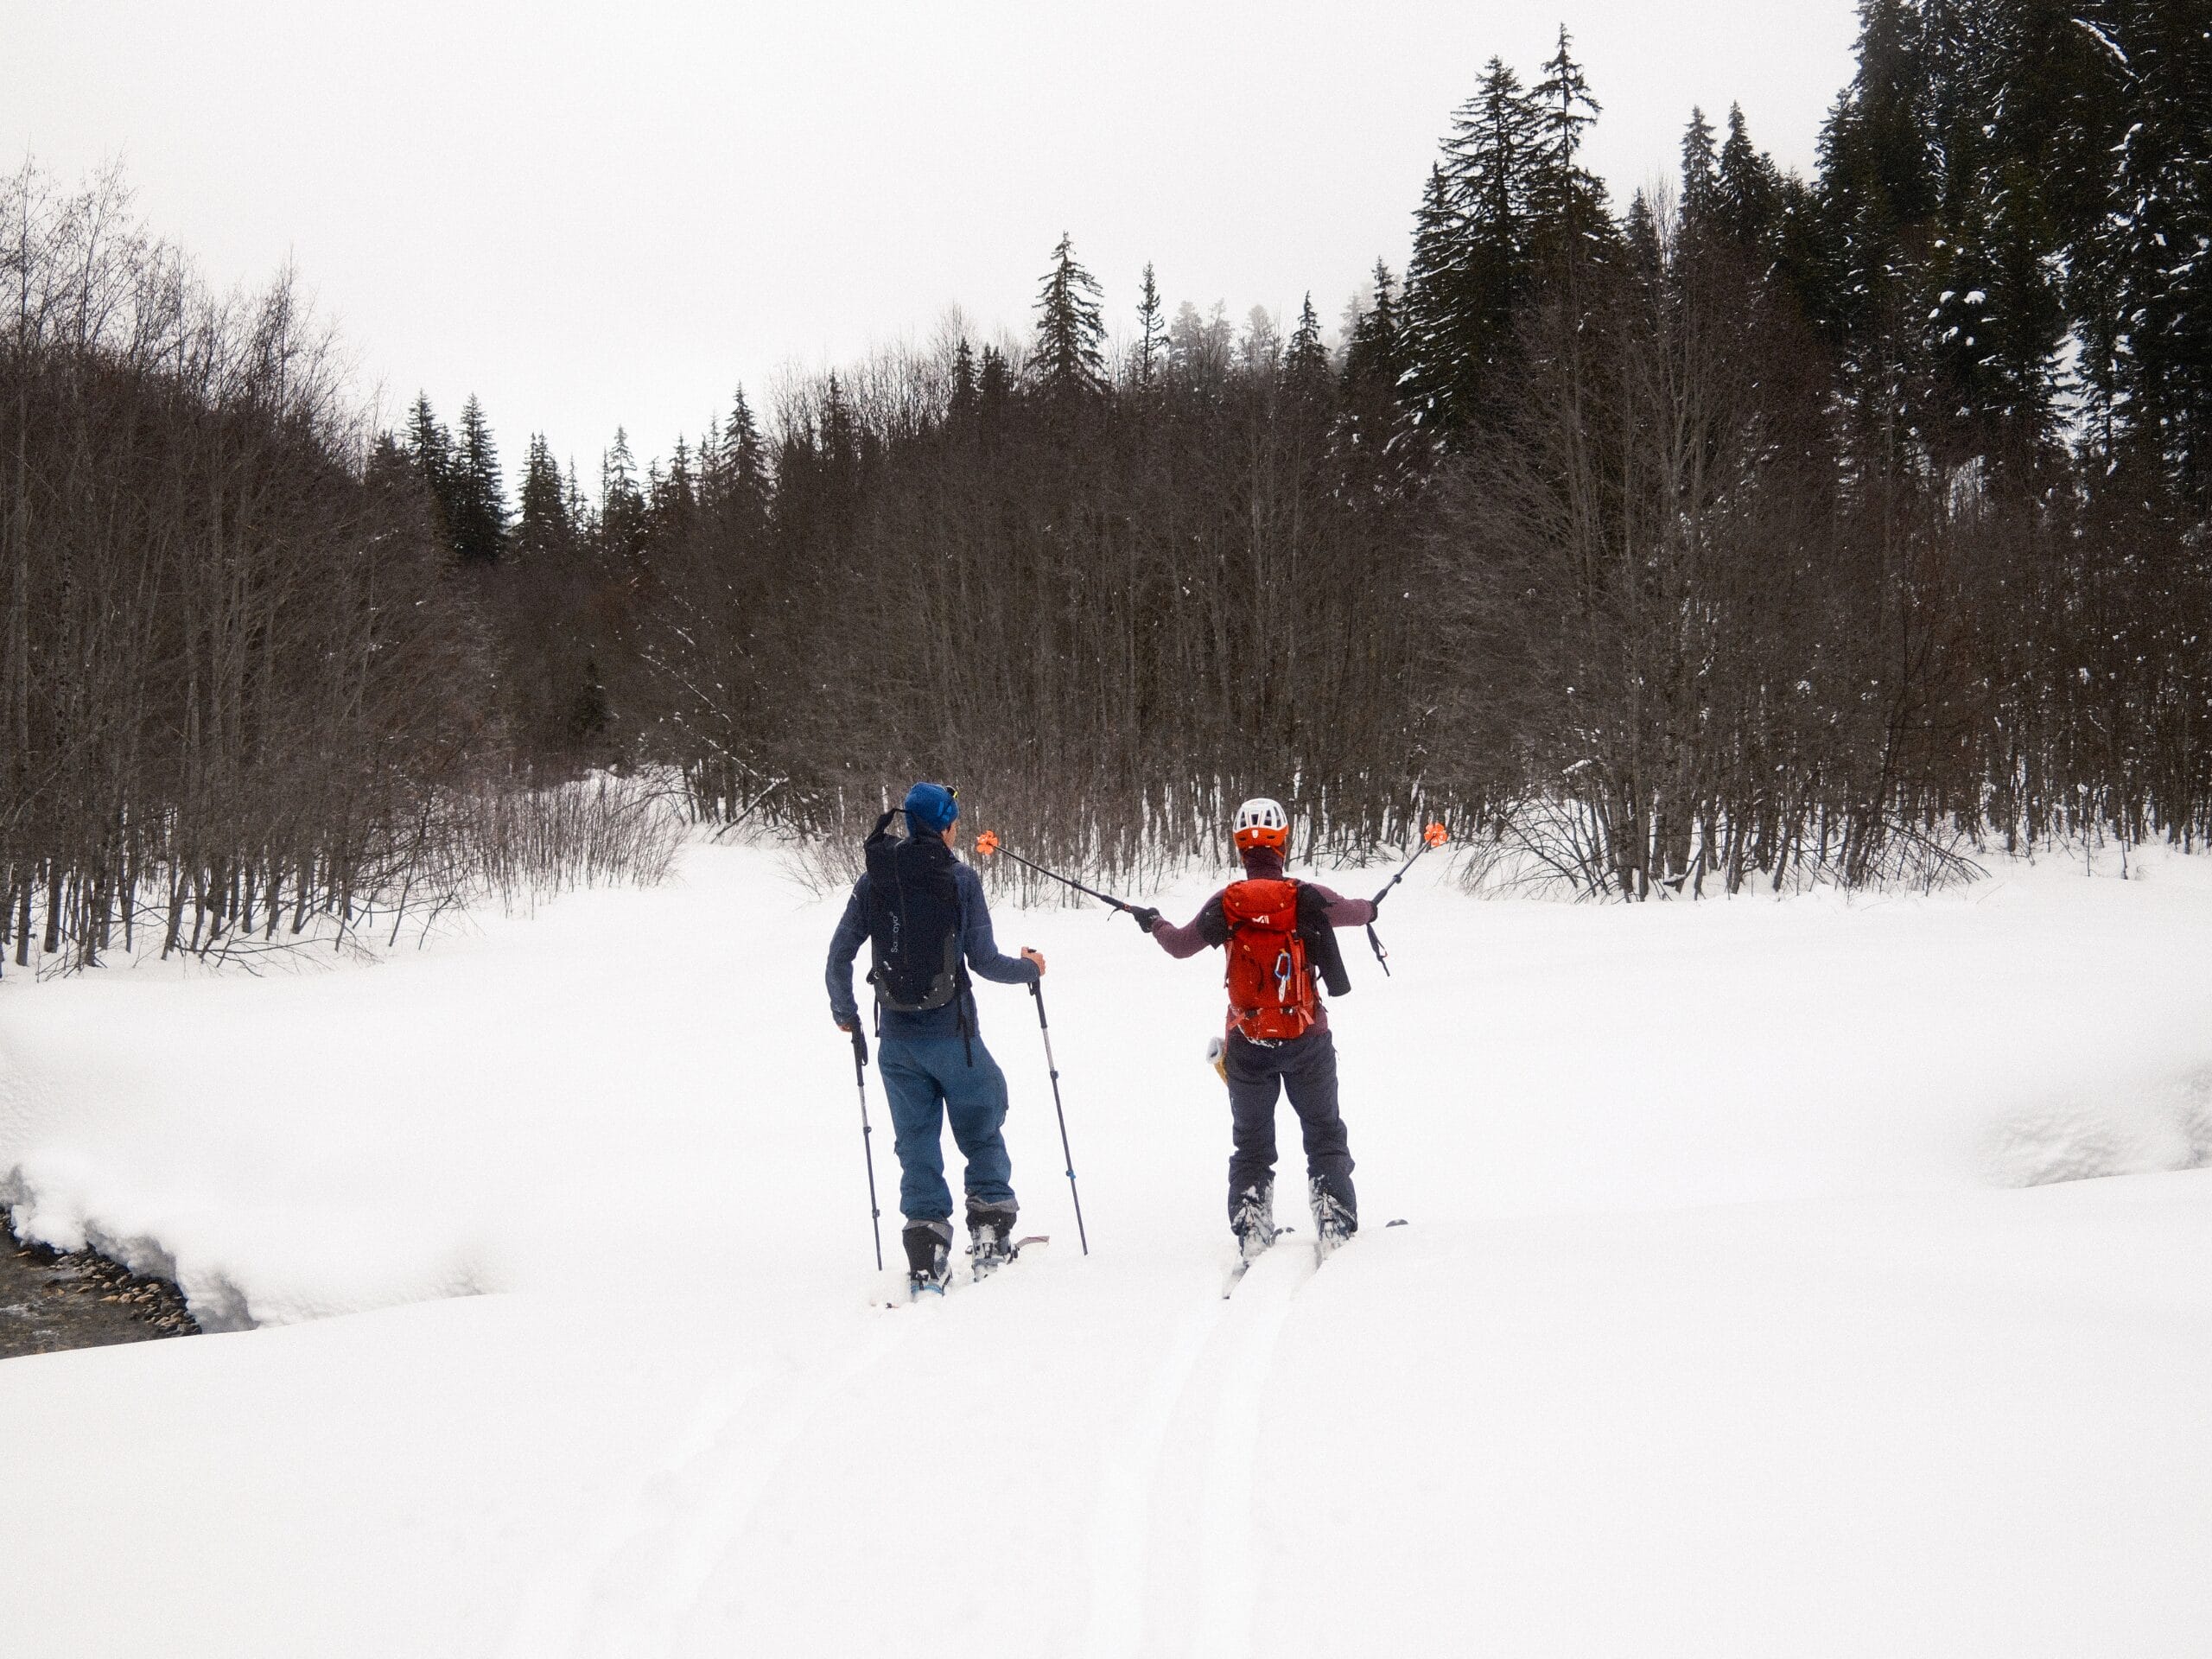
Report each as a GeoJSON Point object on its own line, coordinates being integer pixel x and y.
{"type": "Point", "coordinates": [931, 808]}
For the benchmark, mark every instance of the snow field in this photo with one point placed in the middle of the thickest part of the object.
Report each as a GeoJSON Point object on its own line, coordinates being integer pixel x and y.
{"type": "Point", "coordinates": [1738, 1314]}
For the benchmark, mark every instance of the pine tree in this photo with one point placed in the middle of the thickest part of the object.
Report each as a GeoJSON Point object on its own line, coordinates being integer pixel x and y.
{"type": "Point", "coordinates": [1374, 355]}
{"type": "Point", "coordinates": [477, 492]}
{"type": "Point", "coordinates": [622, 525]}
{"type": "Point", "coordinates": [1875, 148]}
{"type": "Point", "coordinates": [1746, 208]}
{"type": "Point", "coordinates": [741, 443]}
{"type": "Point", "coordinates": [839, 428]}
{"type": "Point", "coordinates": [1151, 332]}
{"type": "Point", "coordinates": [1640, 230]}
{"type": "Point", "coordinates": [1878, 201]}
{"type": "Point", "coordinates": [673, 500]}
{"type": "Point", "coordinates": [1305, 363]}
{"type": "Point", "coordinates": [429, 447]}
{"type": "Point", "coordinates": [1700, 202]}
{"type": "Point", "coordinates": [1068, 358]}
{"type": "Point", "coordinates": [1436, 333]}
{"type": "Point", "coordinates": [993, 385]}
{"type": "Point", "coordinates": [429, 450]}
{"type": "Point", "coordinates": [736, 467]}
{"type": "Point", "coordinates": [961, 402]}
{"type": "Point", "coordinates": [543, 531]}
{"type": "Point", "coordinates": [2146, 300]}
{"type": "Point", "coordinates": [1567, 201]}
{"type": "Point", "coordinates": [1489, 156]}
{"type": "Point", "coordinates": [1374, 423]}
{"type": "Point", "coordinates": [1475, 237]}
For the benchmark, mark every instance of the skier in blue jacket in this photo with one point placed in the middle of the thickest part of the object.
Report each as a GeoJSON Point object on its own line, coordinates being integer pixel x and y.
{"type": "Point", "coordinates": [934, 1063]}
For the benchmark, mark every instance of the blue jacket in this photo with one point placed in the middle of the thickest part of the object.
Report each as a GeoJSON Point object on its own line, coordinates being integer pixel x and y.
{"type": "Point", "coordinates": [976, 942]}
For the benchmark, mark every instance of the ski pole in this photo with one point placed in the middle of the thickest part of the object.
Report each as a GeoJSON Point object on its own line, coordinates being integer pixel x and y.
{"type": "Point", "coordinates": [1053, 1066]}
{"type": "Point", "coordinates": [988, 844]}
{"type": "Point", "coordinates": [1435, 835]}
{"type": "Point", "coordinates": [868, 1141]}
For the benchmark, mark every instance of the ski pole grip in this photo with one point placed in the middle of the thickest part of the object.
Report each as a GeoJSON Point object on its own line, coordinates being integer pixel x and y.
{"type": "Point", "coordinates": [859, 1046]}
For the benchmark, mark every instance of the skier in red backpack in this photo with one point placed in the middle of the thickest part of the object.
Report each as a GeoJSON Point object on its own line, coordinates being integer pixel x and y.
{"type": "Point", "coordinates": [1278, 934]}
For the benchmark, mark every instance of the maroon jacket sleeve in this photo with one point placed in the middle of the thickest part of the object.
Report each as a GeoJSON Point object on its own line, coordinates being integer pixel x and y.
{"type": "Point", "coordinates": [1203, 929]}
{"type": "Point", "coordinates": [1342, 912]}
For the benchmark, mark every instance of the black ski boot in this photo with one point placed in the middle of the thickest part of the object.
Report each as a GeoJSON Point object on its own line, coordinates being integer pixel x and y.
{"type": "Point", "coordinates": [1253, 1220]}
{"type": "Point", "coordinates": [990, 1235]}
{"type": "Point", "coordinates": [1334, 1221]}
{"type": "Point", "coordinates": [929, 1256]}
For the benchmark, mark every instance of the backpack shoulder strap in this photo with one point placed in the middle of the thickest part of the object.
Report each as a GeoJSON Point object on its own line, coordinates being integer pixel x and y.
{"type": "Point", "coordinates": [1321, 941]}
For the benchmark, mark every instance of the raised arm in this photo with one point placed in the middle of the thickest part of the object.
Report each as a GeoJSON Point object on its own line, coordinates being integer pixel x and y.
{"type": "Point", "coordinates": [1206, 928]}
{"type": "Point", "coordinates": [1342, 912]}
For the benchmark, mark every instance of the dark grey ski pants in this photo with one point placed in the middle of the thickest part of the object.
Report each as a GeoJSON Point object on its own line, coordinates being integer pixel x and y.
{"type": "Point", "coordinates": [1306, 1069]}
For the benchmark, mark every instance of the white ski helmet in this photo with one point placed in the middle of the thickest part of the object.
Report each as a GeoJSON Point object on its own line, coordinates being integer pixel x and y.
{"type": "Point", "coordinates": [1262, 823]}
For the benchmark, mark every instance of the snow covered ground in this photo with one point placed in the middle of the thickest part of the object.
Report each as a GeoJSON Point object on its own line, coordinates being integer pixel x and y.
{"type": "Point", "coordinates": [1754, 1303]}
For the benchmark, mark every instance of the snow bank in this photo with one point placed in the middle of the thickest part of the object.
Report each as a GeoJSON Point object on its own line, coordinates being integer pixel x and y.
{"type": "Point", "coordinates": [1754, 1299]}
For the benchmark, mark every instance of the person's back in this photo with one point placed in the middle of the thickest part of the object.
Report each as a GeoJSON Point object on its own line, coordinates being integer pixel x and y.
{"type": "Point", "coordinates": [923, 914]}
{"type": "Point", "coordinates": [1279, 936]}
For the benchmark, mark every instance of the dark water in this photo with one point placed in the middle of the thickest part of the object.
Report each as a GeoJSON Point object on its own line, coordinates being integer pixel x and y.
{"type": "Point", "coordinates": [50, 1301]}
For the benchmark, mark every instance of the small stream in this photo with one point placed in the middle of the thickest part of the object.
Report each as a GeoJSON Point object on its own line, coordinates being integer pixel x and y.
{"type": "Point", "coordinates": [50, 1301]}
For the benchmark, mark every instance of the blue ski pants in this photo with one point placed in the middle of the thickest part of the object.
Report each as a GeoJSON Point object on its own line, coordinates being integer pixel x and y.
{"type": "Point", "coordinates": [928, 1079]}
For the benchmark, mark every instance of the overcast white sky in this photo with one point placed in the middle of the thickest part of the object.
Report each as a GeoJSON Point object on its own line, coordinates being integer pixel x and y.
{"type": "Point", "coordinates": [594, 216]}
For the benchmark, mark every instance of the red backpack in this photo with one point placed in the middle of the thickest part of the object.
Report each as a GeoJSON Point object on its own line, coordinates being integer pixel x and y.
{"type": "Point", "coordinates": [1271, 996]}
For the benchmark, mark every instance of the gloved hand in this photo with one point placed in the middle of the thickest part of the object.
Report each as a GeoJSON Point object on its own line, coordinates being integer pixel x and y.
{"type": "Point", "coordinates": [1146, 919]}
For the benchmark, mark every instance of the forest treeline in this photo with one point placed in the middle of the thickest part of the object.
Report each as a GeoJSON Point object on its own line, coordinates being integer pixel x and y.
{"type": "Point", "coordinates": [245, 695]}
{"type": "Point", "coordinates": [1761, 529]}
{"type": "Point", "coordinates": [1776, 528]}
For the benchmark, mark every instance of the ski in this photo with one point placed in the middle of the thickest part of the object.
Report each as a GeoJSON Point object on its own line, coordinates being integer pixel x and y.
{"type": "Point", "coordinates": [1244, 1266]}
{"type": "Point", "coordinates": [977, 1272]}
{"type": "Point", "coordinates": [1328, 1245]}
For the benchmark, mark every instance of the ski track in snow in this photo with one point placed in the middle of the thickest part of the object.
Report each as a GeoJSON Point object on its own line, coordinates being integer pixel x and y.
{"type": "Point", "coordinates": [625, 1591]}
{"type": "Point", "coordinates": [1175, 1488]}
{"type": "Point", "coordinates": [1129, 1476]}
{"type": "Point", "coordinates": [1228, 1558]}
{"type": "Point", "coordinates": [1172, 1563]}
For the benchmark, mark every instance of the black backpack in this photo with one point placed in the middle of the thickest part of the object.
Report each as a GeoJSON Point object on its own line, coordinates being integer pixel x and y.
{"type": "Point", "coordinates": [913, 921]}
